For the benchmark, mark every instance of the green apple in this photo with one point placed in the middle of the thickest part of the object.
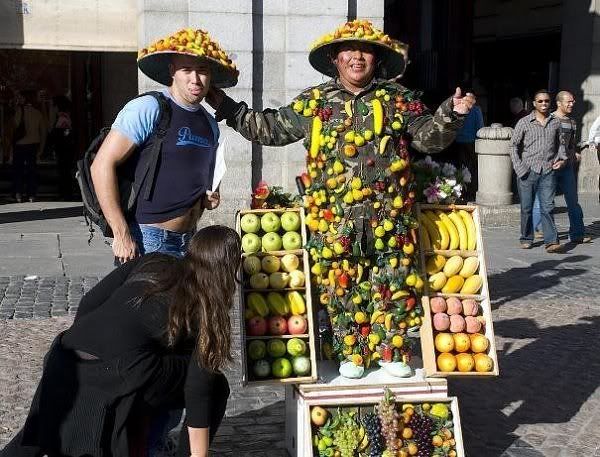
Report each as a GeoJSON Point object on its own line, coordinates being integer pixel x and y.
{"type": "Point", "coordinates": [296, 347]}
{"type": "Point", "coordinates": [270, 264]}
{"type": "Point", "coordinates": [259, 281]}
{"type": "Point", "coordinates": [270, 222]}
{"type": "Point", "coordinates": [290, 262]}
{"type": "Point", "coordinates": [270, 242]}
{"type": "Point", "coordinates": [257, 349]}
{"type": "Point", "coordinates": [250, 223]}
{"type": "Point", "coordinates": [291, 241]}
{"type": "Point", "coordinates": [281, 368]}
{"type": "Point", "coordinates": [251, 243]}
{"type": "Point", "coordinates": [261, 369]}
{"type": "Point", "coordinates": [297, 279]}
{"type": "Point", "coordinates": [301, 365]}
{"type": "Point", "coordinates": [290, 221]}
{"type": "Point", "coordinates": [251, 265]}
{"type": "Point", "coordinates": [279, 280]}
{"type": "Point", "coordinates": [276, 348]}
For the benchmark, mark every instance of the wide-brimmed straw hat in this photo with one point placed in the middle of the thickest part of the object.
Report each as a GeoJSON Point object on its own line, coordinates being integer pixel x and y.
{"type": "Point", "coordinates": [392, 55]}
{"type": "Point", "coordinates": [154, 60]}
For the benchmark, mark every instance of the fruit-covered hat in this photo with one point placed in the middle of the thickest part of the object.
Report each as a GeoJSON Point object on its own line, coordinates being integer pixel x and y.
{"type": "Point", "coordinates": [154, 60]}
{"type": "Point", "coordinates": [392, 54]}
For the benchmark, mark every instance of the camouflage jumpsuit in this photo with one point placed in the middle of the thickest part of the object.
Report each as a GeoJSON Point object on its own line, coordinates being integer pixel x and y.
{"type": "Point", "coordinates": [359, 194]}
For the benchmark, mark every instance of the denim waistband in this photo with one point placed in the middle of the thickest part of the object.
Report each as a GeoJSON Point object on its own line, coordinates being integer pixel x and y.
{"type": "Point", "coordinates": [166, 235]}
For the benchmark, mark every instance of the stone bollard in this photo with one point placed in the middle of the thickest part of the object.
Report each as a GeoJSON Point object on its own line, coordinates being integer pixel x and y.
{"type": "Point", "coordinates": [587, 175]}
{"type": "Point", "coordinates": [494, 165]}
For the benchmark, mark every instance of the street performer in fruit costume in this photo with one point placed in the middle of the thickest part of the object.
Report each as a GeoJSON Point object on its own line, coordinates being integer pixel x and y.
{"type": "Point", "coordinates": [357, 128]}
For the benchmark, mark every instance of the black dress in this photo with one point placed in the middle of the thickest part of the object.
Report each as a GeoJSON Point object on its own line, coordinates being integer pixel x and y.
{"type": "Point", "coordinates": [111, 363]}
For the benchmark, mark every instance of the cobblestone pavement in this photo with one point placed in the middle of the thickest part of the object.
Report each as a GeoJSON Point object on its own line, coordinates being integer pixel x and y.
{"type": "Point", "coordinates": [546, 401]}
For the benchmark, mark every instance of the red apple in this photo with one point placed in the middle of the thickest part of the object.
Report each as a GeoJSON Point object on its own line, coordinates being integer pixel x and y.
{"type": "Point", "coordinates": [297, 325]}
{"type": "Point", "coordinates": [257, 326]}
{"type": "Point", "coordinates": [277, 325]}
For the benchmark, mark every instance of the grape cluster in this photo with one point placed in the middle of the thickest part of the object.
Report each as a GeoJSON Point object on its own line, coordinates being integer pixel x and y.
{"type": "Point", "coordinates": [390, 423]}
{"type": "Point", "coordinates": [345, 438]}
{"type": "Point", "coordinates": [373, 428]}
{"type": "Point", "coordinates": [422, 426]}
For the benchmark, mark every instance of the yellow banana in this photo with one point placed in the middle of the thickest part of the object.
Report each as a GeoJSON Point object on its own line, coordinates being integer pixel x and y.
{"type": "Point", "coordinates": [383, 143]}
{"type": "Point", "coordinates": [471, 229]}
{"type": "Point", "coordinates": [444, 235]}
{"type": "Point", "coordinates": [348, 108]}
{"type": "Point", "coordinates": [377, 117]}
{"type": "Point", "coordinates": [375, 316]}
{"type": "Point", "coordinates": [315, 137]}
{"type": "Point", "coordinates": [425, 241]}
{"type": "Point", "coordinates": [365, 439]}
{"type": "Point", "coordinates": [359, 272]}
{"type": "Point", "coordinates": [400, 294]}
{"type": "Point", "coordinates": [296, 303]}
{"type": "Point", "coordinates": [331, 276]}
{"type": "Point", "coordinates": [463, 237]}
{"type": "Point", "coordinates": [434, 234]}
{"type": "Point", "coordinates": [452, 231]}
{"type": "Point", "coordinates": [388, 321]}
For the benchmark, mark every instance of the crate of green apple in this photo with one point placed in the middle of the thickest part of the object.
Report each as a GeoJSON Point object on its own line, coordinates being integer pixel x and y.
{"type": "Point", "coordinates": [276, 302]}
{"type": "Point", "coordinates": [394, 426]}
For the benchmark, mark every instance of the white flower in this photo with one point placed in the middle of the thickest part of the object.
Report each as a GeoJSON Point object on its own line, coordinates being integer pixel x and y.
{"type": "Point", "coordinates": [451, 182]}
{"type": "Point", "coordinates": [442, 194]}
{"type": "Point", "coordinates": [457, 190]}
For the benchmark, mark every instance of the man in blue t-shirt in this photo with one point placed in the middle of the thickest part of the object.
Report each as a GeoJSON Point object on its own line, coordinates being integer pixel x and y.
{"type": "Point", "coordinates": [185, 182]}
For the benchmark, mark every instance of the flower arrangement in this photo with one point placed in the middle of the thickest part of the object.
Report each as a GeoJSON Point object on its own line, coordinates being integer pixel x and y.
{"type": "Point", "coordinates": [441, 183]}
{"type": "Point", "coordinates": [265, 196]}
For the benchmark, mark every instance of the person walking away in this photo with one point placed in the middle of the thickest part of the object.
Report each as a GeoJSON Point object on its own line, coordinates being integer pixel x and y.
{"type": "Point", "coordinates": [566, 177]}
{"type": "Point", "coordinates": [465, 147]}
{"type": "Point", "coordinates": [62, 138]}
{"type": "Point", "coordinates": [28, 148]}
{"type": "Point", "coordinates": [183, 186]}
{"type": "Point", "coordinates": [537, 153]}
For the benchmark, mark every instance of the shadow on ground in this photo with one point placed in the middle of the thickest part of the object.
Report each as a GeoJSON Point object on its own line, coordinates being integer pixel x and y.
{"type": "Point", "coordinates": [520, 282]}
{"type": "Point", "coordinates": [39, 214]}
{"type": "Point", "coordinates": [256, 433]}
{"type": "Point", "coordinates": [544, 382]}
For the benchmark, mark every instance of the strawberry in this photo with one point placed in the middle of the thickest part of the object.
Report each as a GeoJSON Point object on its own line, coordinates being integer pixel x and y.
{"type": "Point", "coordinates": [387, 354]}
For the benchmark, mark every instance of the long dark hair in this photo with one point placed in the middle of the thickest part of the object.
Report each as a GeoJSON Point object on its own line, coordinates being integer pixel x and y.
{"type": "Point", "coordinates": [201, 287]}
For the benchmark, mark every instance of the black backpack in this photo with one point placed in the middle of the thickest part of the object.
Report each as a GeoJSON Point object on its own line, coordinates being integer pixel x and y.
{"type": "Point", "coordinates": [130, 185]}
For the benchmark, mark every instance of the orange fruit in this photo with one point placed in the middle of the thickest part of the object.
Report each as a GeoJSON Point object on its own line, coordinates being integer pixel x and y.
{"type": "Point", "coordinates": [465, 362]}
{"type": "Point", "coordinates": [483, 363]}
{"type": "Point", "coordinates": [407, 433]}
{"type": "Point", "coordinates": [444, 342]}
{"type": "Point", "coordinates": [479, 342]}
{"type": "Point", "coordinates": [446, 362]}
{"type": "Point", "coordinates": [462, 343]}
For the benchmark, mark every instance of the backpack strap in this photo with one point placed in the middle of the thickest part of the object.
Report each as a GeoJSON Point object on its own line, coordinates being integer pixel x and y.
{"type": "Point", "coordinates": [164, 121]}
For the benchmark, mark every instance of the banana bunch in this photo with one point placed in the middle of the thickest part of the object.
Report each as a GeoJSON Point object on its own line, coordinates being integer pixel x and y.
{"type": "Point", "coordinates": [453, 275]}
{"type": "Point", "coordinates": [448, 230]}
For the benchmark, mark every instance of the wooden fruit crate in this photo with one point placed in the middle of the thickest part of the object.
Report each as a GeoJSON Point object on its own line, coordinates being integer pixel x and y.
{"type": "Point", "coordinates": [244, 290]}
{"type": "Point", "coordinates": [367, 403]}
{"type": "Point", "coordinates": [482, 297]}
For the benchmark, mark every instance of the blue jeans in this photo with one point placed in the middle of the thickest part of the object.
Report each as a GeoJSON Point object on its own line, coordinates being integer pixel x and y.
{"type": "Point", "coordinates": [154, 239]}
{"type": "Point", "coordinates": [544, 185]}
{"type": "Point", "coordinates": [567, 183]}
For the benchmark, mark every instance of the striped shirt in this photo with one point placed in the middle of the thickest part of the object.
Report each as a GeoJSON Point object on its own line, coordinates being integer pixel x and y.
{"type": "Point", "coordinates": [534, 146]}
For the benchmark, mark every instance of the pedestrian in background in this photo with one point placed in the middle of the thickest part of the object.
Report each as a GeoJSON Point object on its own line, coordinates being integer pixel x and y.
{"type": "Point", "coordinates": [537, 153]}
{"type": "Point", "coordinates": [29, 138]}
{"type": "Point", "coordinates": [517, 109]}
{"type": "Point", "coordinates": [63, 143]}
{"type": "Point", "coordinates": [566, 179]}
{"type": "Point", "coordinates": [465, 147]}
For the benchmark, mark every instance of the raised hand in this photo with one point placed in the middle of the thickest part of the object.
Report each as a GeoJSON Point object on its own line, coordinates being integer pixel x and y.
{"type": "Point", "coordinates": [463, 105]}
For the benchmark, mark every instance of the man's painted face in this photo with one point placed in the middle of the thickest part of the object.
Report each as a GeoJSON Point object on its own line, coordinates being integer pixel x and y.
{"type": "Point", "coordinates": [191, 78]}
{"type": "Point", "coordinates": [355, 63]}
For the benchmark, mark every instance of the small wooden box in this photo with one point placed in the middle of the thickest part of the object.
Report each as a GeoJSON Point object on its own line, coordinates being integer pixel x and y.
{"type": "Point", "coordinates": [428, 332]}
{"type": "Point", "coordinates": [244, 289]}
{"type": "Point", "coordinates": [360, 401]}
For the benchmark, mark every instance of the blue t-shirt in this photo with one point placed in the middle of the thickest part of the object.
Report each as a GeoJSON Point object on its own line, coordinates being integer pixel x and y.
{"type": "Point", "coordinates": [139, 116]}
{"type": "Point", "coordinates": [473, 122]}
